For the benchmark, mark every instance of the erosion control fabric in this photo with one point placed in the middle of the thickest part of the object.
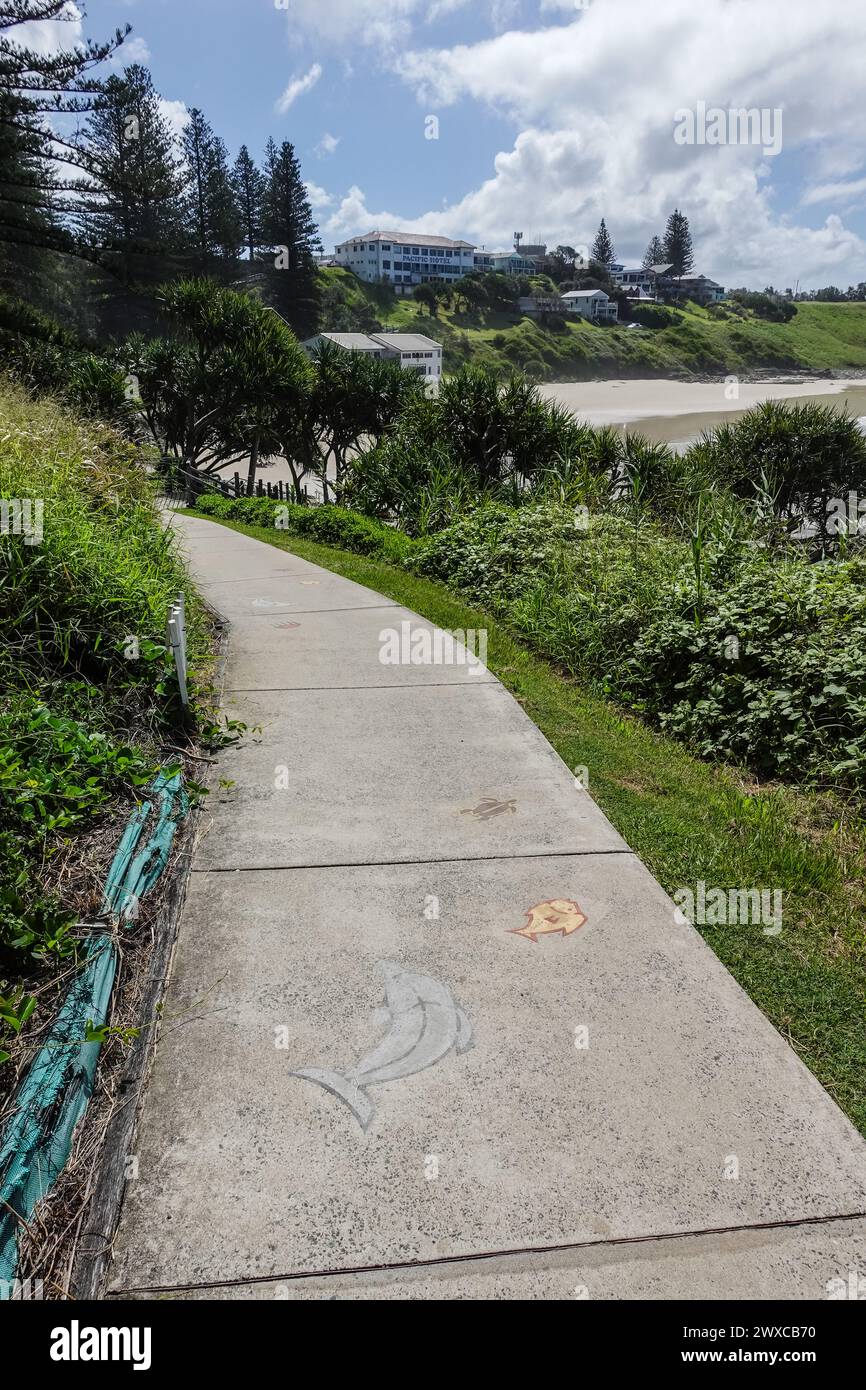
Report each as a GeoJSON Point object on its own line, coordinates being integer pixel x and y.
{"type": "Point", "coordinates": [53, 1096]}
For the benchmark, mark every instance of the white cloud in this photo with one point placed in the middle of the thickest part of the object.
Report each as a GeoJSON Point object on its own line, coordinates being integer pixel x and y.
{"type": "Point", "coordinates": [49, 36]}
{"type": "Point", "coordinates": [175, 113]}
{"type": "Point", "coordinates": [382, 24]}
{"type": "Point", "coordinates": [345, 21]}
{"type": "Point", "coordinates": [319, 197]}
{"type": "Point", "coordinates": [596, 113]}
{"type": "Point", "coordinates": [327, 145]}
{"type": "Point", "coordinates": [297, 87]}
{"type": "Point", "coordinates": [839, 192]}
{"type": "Point", "coordinates": [133, 50]}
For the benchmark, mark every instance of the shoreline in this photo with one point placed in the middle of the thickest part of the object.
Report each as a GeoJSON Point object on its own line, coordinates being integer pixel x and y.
{"type": "Point", "coordinates": [630, 400]}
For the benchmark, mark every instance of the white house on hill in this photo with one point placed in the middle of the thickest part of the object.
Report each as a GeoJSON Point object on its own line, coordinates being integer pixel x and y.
{"type": "Point", "coordinates": [591, 304]}
{"type": "Point", "coordinates": [414, 351]}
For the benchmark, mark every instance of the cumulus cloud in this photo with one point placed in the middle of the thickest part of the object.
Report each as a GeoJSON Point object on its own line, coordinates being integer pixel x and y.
{"type": "Point", "coordinates": [382, 24]}
{"type": "Point", "coordinates": [337, 22]}
{"type": "Point", "coordinates": [175, 113]}
{"type": "Point", "coordinates": [319, 197]}
{"type": "Point", "coordinates": [49, 36]}
{"type": "Point", "coordinates": [327, 145]}
{"type": "Point", "coordinates": [595, 116]}
{"type": "Point", "coordinates": [133, 50]}
{"type": "Point", "coordinates": [297, 87]}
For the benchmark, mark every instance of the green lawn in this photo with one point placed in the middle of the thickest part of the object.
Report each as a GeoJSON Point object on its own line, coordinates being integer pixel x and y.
{"type": "Point", "coordinates": [820, 337]}
{"type": "Point", "coordinates": [689, 820]}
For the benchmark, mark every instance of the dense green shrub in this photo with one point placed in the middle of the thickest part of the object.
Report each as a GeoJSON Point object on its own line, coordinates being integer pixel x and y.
{"type": "Point", "coordinates": [327, 524]}
{"type": "Point", "coordinates": [18, 319]}
{"type": "Point", "coordinates": [773, 675]}
{"type": "Point", "coordinates": [751, 656]}
{"type": "Point", "coordinates": [654, 315]}
{"type": "Point", "coordinates": [765, 306]}
{"type": "Point", "coordinates": [790, 459]}
{"type": "Point", "coordinates": [494, 552]}
{"type": "Point", "coordinates": [36, 352]}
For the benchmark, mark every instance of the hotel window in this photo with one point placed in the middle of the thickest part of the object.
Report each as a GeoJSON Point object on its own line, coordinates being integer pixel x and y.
{"type": "Point", "coordinates": [386, 265]}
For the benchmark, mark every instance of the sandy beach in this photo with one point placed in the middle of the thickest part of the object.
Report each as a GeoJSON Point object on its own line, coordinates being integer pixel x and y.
{"type": "Point", "coordinates": [676, 411]}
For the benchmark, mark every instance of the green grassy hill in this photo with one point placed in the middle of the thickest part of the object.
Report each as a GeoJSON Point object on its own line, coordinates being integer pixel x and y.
{"type": "Point", "coordinates": [100, 309]}
{"type": "Point", "coordinates": [821, 337]}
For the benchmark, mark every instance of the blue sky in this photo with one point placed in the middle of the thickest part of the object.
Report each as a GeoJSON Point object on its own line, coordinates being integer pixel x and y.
{"type": "Point", "coordinates": [551, 114]}
{"type": "Point", "coordinates": [234, 59]}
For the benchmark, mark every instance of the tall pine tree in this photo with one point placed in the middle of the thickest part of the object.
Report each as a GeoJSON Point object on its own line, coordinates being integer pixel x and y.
{"type": "Point", "coordinates": [41, 180]}
{"type": "Point", "coordinates": [602, 248]}
{"type": "Point", "coordinates": [211, 220]}
{"type": "Point", "coordinates": [288, 219]}
{"type": "Point", "coordinates": [655, 253]}
{"type": "Point", "coordinates": [249, 190]}
{"type": "Point", "coordinates": [135, 194]}
{"type": "Point", "coordinates": [227, 226]}
{"type": "Point", "coordinates": [678, 243]}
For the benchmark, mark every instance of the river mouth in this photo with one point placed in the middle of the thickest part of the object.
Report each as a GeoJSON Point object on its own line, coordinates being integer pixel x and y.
{"type": "Point", "coordinates": [678, 412]}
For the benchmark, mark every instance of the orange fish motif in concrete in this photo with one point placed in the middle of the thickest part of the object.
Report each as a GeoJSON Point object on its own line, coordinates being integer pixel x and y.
{"type": "Point", "coordinates": [558, 916]}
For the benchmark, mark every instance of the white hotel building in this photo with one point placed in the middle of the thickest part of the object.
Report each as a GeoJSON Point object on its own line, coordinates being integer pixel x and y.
{"type": "Point", "coordinates": [407, 259]}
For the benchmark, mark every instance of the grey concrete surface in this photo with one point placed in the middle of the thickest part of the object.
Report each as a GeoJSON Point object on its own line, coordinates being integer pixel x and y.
{"type": "Point", "coordinates": [474, 1092]}
{"type": "Point", "coordinates": [372, 775]}
{"type": "Point", "coordinates": [808, 1262]}
{"type": "Point", "coordinates": [302, 651]}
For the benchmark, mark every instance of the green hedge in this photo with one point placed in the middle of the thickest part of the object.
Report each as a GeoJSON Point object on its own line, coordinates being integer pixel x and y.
{"type": "Point", "coordinates": [327, 524]}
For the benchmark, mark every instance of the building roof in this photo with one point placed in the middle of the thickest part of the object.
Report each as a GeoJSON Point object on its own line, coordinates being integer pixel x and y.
{"type": "Point", "coordinates": [406, 342]}
{"type": "Point", "coordinates": [354, 342]}
{"type": "Point", "coordinates": [642, 269]}
{"type": "Point", "coordinates": [412, 238]}
{"type": "Point", "coordinates": [699, 280]}
{"type": "Point", "coordinates": [584, 294]}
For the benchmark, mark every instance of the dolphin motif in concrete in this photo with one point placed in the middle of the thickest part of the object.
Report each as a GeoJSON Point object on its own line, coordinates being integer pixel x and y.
{"type": "Point", "coordinates": [425, 1025]}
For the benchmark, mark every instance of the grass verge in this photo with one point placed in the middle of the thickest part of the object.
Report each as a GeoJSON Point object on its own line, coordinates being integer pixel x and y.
{"type": "Point", "coordinates": [689, 820]}
{"type": "Point", "coordinates": [89, 706]}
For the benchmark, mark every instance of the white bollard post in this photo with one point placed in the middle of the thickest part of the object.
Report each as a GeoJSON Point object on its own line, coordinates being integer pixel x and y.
{"type": "Point", "coordinates": [177, 642]}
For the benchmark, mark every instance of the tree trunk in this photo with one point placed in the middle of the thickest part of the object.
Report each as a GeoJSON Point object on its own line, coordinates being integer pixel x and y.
{"type": "Point", "coordinates": [296, 481]}
{"type": "Point", "coordinates": [254, 462]}
{"type": "Point", "coordinates": [189, 489]}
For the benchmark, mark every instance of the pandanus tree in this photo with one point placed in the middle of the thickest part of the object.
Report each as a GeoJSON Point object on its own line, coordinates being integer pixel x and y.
{"type": "Point", "coordinates": [225, 387]}
{"type": "Point", "coordinates": [354, 400]}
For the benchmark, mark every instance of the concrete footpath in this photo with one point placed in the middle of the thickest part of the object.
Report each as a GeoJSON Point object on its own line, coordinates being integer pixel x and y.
{"type": "Point", "coordinates": [433, 1031]}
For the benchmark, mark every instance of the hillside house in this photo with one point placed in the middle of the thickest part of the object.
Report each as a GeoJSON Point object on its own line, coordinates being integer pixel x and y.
{"type": "Point", "coordinates": [414, 351]}
{"type": "Point", "coordinates": [594, 305]}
